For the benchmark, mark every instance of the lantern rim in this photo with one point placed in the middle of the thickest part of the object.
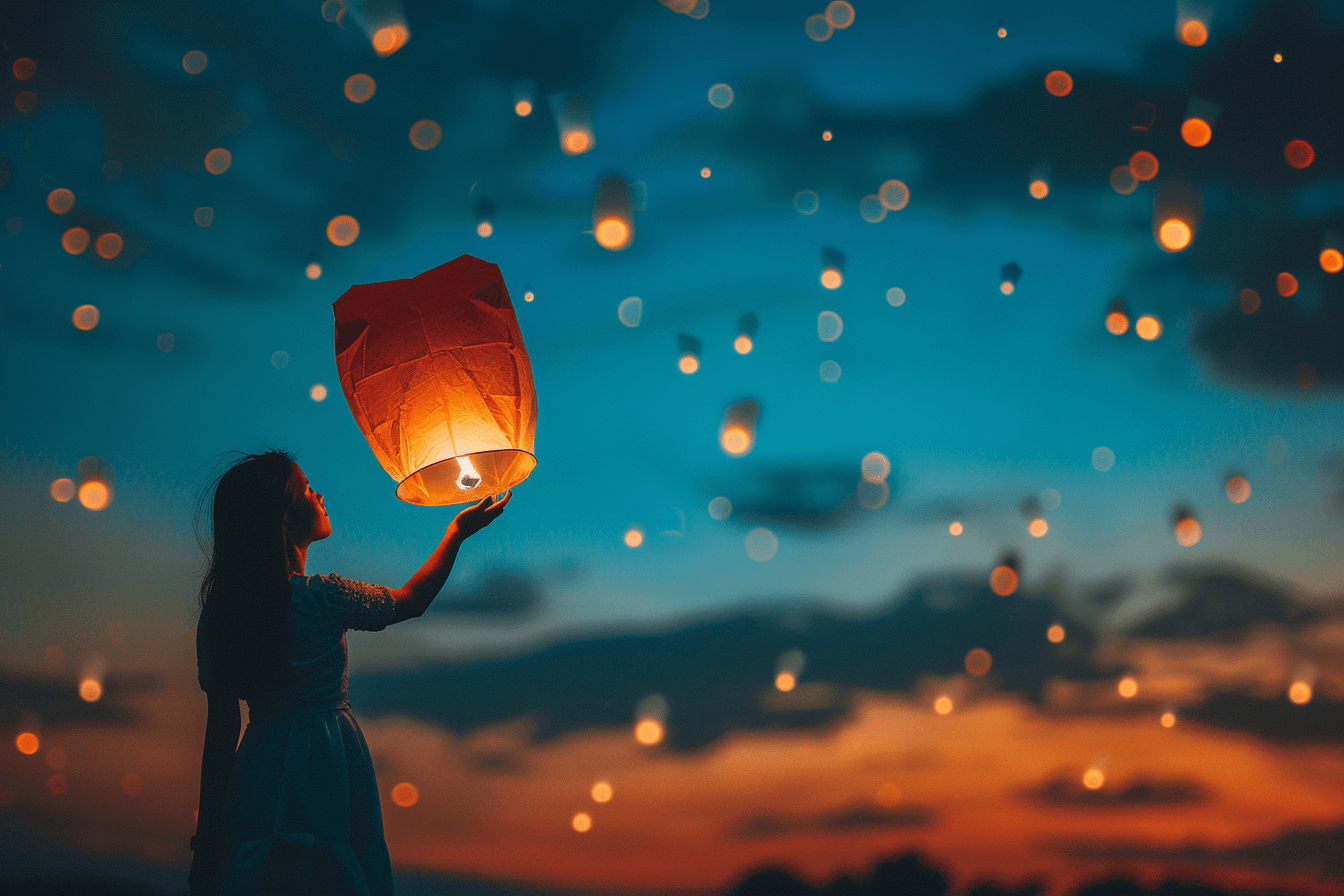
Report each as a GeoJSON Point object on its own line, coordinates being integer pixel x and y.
{"type": "Point", "coordinates": [413, 490]}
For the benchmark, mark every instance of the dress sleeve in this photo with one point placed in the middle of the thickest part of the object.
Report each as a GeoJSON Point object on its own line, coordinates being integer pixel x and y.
{"type": "Point", "coordinates": [356, 605]}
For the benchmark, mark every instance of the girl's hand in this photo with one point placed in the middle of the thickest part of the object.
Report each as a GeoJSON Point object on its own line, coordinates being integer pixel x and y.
{"type": "Point", "coordinates": [479, 515]}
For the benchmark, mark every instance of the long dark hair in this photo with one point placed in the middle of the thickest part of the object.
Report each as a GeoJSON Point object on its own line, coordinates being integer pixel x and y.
{"type": "Point", "coordinates": [245, 592]}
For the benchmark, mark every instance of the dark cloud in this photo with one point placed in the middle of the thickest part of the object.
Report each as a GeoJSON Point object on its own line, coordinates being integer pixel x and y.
{"type": "Point", "coordinates": [1218, 601]}
{"type": "Point", "coordinates": [1316, 852]}
{"type": "Point", "coordinates": [853, 818]}
{"type": "Point", "coordinates": [500, 595]}
{"type": "Point", "coordinates": [55, 702]}
{"type": "Point", "coordinates": [908, 876]}
{"type": "Point", "coordinates": [1273, 718]}
{"type": "Point", "coordinates": [1068, 790]}
{"type": "Point", "coordinates": [806, 497]}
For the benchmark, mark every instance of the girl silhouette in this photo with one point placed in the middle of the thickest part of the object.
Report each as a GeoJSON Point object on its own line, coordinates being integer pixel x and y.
{"type": "Point", "coordinates": [295, 808]}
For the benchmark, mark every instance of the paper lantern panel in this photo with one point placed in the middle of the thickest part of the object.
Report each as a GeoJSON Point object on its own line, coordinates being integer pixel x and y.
{"type": "Point", "coordinates": [436, 374]}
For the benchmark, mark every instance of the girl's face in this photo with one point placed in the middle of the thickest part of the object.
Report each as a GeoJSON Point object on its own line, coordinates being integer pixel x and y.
{"type": "Point", "coordinates": [307, 518]}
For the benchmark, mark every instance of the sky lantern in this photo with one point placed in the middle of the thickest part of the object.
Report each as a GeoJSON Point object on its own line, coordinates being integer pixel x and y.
{"type": "Point", "coordinates": [523, 98]}
{"type": "Point", "coordinates": [1117, 320]}
{"type": "Point", "coordinates": [1008, 277]}
{"type": "Point", "coordinates": [575, 123]}
{"type": "Point", "coordinates": [1298, 153]}
{"type": "Point", "coordinates": [1332, 253]}
{"type": "Point", "coordinates": [1185, 527]}
{"type": "Point", "coordinates": [1200, 116]}
{"type": "Point", "coordinates": [1058, 83]}
{"type": "Point", "coordinates": [1003, 578]}
{"type": "Point", "coordinates": [747, 326]}
{"type": "Point", "coordinates": [788, 668]}
{"type": "Point", "coordinates": [1177, 213]}
{"type": "Point", "coordinates": [688, 353]}
{"type": "Point", "coordinates": [437, 377]}
{"type": "Point", "coordinates": [485, 214]}
{"type": "Point", "coordinates": [383, 21]}
{"type": "Point", "coordinates": [737, 431]}
{"type": "Point", "coordinates": [1238, 488]}
{"type": "Point", "coordinates": [95, 483]}
{"type": "Point", "coordinates": [832, 267]}
{"type": "Point", "coordinates": [613, 214]}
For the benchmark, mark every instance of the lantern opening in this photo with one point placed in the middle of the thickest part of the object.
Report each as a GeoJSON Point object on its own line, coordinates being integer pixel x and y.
{"type": "Point", "coordinates": [469, 477]}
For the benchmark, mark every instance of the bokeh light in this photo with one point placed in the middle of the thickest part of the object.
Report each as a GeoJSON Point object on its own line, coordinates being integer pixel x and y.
{"type": "Point", "coordinates": [63, 490]}
{"type": "Point", "coordinates": [634, 537]}
{"type": "Point", "coordinates": [829, 371]}
{"type": "Point", "coordinates": [58, 784]}
{"type": "Point", "coordinates": [203, 216]}
{"type": "Point", "coordinates": [1286, 284]}
{"type": "Point", "coordinates": [342, 230]}
{"type": "Point", "coordinates": [24, 68]}
{"type": "Point", "coordinates": [806, 202]}
{"type": "Point", "coordinates": [194, 62]}
{"type": "Point", "coordinates": [1103, 459]}
{"type": "Point", "coordinates": [165, 342]}
{"type": "Point", "coordinates": [359, 88]}
{"type": "Point", "coordinates": [1123, 180]}
{"type": "Point", "coordinates": [1306, 375]}
{"type": "Point", "coordinates": [313, 270]}
{"type": "Point", "coordinates": [85, 317]}
{"type": "Point", "coordinates": [426, 134]}
{"type": "Point", "coordinates": [761, 544]}
{"type": "Point", "coordinates": [390, 38]}
{"type": "Point", "coordinates": [90, 690]}
{"type": "Point", "coordinates": [742, 344]}
{"type": "Point", "coordinates": [840, 14]}
{"type": "Point", "coordinates": [688, 364]}
{"type": "Point", "coordinates": [720, 508]}
{"type": "Point", "coordinates": [405, 794]}
{"type": "Point", "coordinates": [829, 326]}
{"type": "Point", "coordinates": [1127, 687]}
{"type": "Point", "coordinates": [1007, 287]}
{"type": "Point", "coordinates": [1143, 165]}
{"type": "Point", "coordinates": [1298, 153]}
{"type": "Point", "coordinates": [27, 743]}
{"type": "Point", "coordinates": [1196, 132]}
{"type": "Point", "coordinates": [317, 392]}
{"type": "Point", "coordinates": [575, 142]}
{"type": "Point", "coordinates": [896, 296]}
{"type": "Point", "coordinates": [1117, 323]}
{"type": "Point", "coordinates": [894, 194]}
{"type": "Point", "coordinates": [1038, 527]}
{"type": "Point", "coordinates": [582, 822]}
{"type": "Point", "coordinates": [1148, 328]}
{"type": "Point", "coordinates": [1299, 692]}
{"type": "Point", "coordinates": [95, 495]}
{"type": "Point", "coordinates": [831, 278]}
{"type": "Point", "coordinates": [786, 681]}
{"type": "Point", "coordinates": [1003, 580]}
{"type": "Point", "coordinates": [60, 200]}
{"type": "Point", "coordinates": [1094, 779]}
{"type": "Point", "coordinates": [1332, 261]}
{"type": "Point", "coordinates": [1167, 719]}
{"type": "Point", "coordinates": [601, 792]}
{"type": "Point", "coordinates": [942, 705]}
{"type": "Point", "coordinates": [109, 245]}
{"type": "Point", "coordinates": [1194, 33]}
{"type": "Point", "coordinates": [612, 233]}
{"type": "Point", "coordinates": [875, 466]}
{"type": "Point", "coordinates": [522, 108]}
{"type": "Point", "coordinates": [1055, 633]}
{"type": "Point", "coordinates": [1174, 234]}
{"type": "Point", "coordinates": [649, 732]}
{"type": "Point", "coordinates": [818, 28]}
{"type": "Point", "coordinates": [705, 172]}
{"type": "Point", "coordinates": [720, 96]}
{"type": "Point", "coordinates": [827, 136]}
{"type": "Point", "coordinates": [1058, 83]}
{"type": "Point", "coordinates": [218, 160]}
{"type": "Point", "coordinates": [955, 527]}
{"type": "Point", "coordinates": [871, 209]}
{"type": "Point", "coordinates": [978, 661]}
{"type": "Point", "coordinates": [1238, 489]}
{"type": "Point", "coordinates": [25, 101]}
{"type": "Point", "coordinates": [529, 296]}
{"type": "Point", "coordinates": [1187, 531]}
{"type": "Point", "coordinates": [630, 311]}
{"type": "Point", "coordinates": [1249, 301]}
{"type": "Point", "coordinates": [132, 785]}
{"type": "Point", "coordinates": [1038, 189]}
{"type": "Point", "coordinates": [75, 240]}
{"type": "Point", "coordinates": [736, 440]}
{"type": "Point", "coordinates": [484, 229]}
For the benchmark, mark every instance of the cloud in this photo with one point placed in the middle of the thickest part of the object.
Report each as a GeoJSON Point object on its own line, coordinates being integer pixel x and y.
{"type": "Point", "coordinates": [852, 818]}
{"type": "Point", "coordinates": [1068, 790]}
{"type": "Point", "coordinates": [499, 595]}
{"type": "Point", "coordinates": [55, 702]}
{"type": "Point", "coordinates": [1317, 852]}
{"type": "Point", "coordinates": [805, 497]}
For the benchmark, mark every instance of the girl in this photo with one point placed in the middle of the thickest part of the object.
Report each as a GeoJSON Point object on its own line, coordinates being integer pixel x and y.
{"type": "Point", "coordinates": [295, 809]}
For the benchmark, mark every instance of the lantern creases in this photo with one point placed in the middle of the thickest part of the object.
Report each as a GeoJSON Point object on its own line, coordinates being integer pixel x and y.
{"type": "Point", "coordinates": [437, 377]}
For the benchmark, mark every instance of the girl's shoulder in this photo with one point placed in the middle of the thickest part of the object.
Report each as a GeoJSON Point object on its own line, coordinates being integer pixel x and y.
{"type": "Point", "coordinates": [355, 604]}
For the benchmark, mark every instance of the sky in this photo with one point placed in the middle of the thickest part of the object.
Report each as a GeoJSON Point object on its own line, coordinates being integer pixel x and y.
{"type": "Point", "coordinates": [915, 423]}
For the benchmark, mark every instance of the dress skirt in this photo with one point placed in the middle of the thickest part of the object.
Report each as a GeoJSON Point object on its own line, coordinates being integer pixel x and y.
{"type": "Point", "coordinates": [303, 811]}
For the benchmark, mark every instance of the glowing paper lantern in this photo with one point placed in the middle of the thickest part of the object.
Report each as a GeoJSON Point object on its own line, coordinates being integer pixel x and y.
{"type": "Point", "coordinates": [613, 214]}
{"type": "Point", "coordinates": [1177, 213]}
{"type": "Point", "coordinates": [575, 123]}
{"type": "Point", "coordinates": [1008, 277]}
{"type": "Point", "coordinates": [747, 325]}
{"type": "Point", "coordinates": [688, 353]}
{"type": "Point", "coordinates": [832, 267]}
{"type": "Point", "coordinates": [1117, 318]}
{"type": "Point", "coordinates": [436, 374]}
{"type": "Point", "coordinates": [737, 432]}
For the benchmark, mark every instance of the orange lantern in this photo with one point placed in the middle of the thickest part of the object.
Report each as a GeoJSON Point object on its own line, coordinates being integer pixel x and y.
{"type": "Point", "coordinates": [437, 377]}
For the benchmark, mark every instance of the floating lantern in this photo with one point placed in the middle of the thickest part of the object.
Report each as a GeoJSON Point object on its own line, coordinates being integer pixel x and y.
{"type": "Point", "coordinates": [95, 486]}
{"type": "Point", "coordinates": [1177, 212]}
{"type": "Point", "coordinates": [1117, 320]}
{"type": "Point", "coordinates": [575, 123]}
{"type": "Point", "coordinates": [485, 212]}
{"type": "Point", "coordinates": [788, 668]}
{"type": "Point", "coordinates": [737, 431]}
{"type": "Point", "coordinates": [747, 325]}
{"type": "Point", "coordinates": [688, 353]}
{"type": "Point", "coordinates": [1003, 578]}
{"type": "Point", "coordinates": [1011, 273]}
{"type": "Point", "coordinates": [1332, 253]}
{"type": "Point", "coordinates": [1238, 488]}
{"type": "Point", "coordinates": [1185, 527]}
{"type": "Point", "coordinates": [1200, 116]}
{"type": "Point", "coordinates": [523, 93]}
{"type": "Point", "coordinates": [1286, 284]}
{"type": "Point", "coordinates": [832, 267]}
{"type": "Point", "coordinates": [436, 374]}
{"type": "Point", "coordinates": [613, 214]}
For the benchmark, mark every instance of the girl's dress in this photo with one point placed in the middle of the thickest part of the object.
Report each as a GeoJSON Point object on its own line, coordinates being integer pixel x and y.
{"type": "Point", "coordinates": [302, 802]}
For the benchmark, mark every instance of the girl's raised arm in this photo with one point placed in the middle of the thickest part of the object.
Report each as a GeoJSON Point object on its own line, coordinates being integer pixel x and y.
{"type": "Point", "coordinates": [413, 598]}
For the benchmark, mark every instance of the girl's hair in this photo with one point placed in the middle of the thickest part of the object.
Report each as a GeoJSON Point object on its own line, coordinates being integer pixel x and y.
{"type": "Point", "coordinates": [245, 592]}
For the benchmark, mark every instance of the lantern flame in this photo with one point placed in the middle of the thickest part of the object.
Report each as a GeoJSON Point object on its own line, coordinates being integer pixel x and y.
{"type": "Point", "coordinates": [467, 477]}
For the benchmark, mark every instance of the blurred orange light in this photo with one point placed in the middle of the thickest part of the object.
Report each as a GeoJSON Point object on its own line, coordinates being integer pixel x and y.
{"type": "Point", "coordinates": [1003, 580]}
{"type": "Point", "coordinates": [1123, 180]}
{"type": "Point", "coordinates": [1058, 83]}
{"type": "Point", "coordinates": [75, 240]}
{"type": "Point", "coordinates": [602, 792]}
{"type": "Point", "coordinates": [705, 172]}
{"type": "Point", "coordinates": [839, 14]}
{"type": "Point", "coordinates": [63, 490]}
{"type": "Point", "coordinates": [1038, 527]}
{"type": "Point", "coordinates": [426, 134]}
{"type": "Point", "coordinates": [109, 245]}
{"type": "Point", "coordinates": [1332, 261]}
{"type": "Point", "coordinates": [649, 732]}
{"type": "Point", "coordinates": [94, 495]}
{"type": "Point", "coordinates": [955, 528]}
{"type": "Point", "coordinates": [826, 136]}
{"type": "Point", "coordinates": [1039, 189]}
{"type": "Point", "coordinates": [57, 784]}
{"type": "Point", "coordinates": [1249, 300]}
{"type": "Point", "coordinates": [1300, 693]}
{"type": "Point", "coordinates": [1003, 32]}
{"type": "Point", "coordinates": [735, 440]}
{"type": "Point", "coordinates": [27, 743]}
{"type": "Point", "coordinates": [342, 230]}
{"type": "Point", "coordinates": [895, 195]}
{"type": "Point", "coordinates": [1127, 687]}
{"type": "Point", "coordinates": [26, 101]}
{"type": "Point", "coordinates": [576, 142]}
{"type": "Point", "coordinates": [194, 62]}
{"type": "Point", "coordinates": [218, 160]}
{"type": "Point", "coordinates": [1055, 633]}
{"type": "Point", "coordinates": [633, 537]}
{"type": "Point", "coordinates": [786, 681]}
{"type": "Point", "coordinates": [612, 233]}
{"type": "Point", "coordinates": [742, 344]}
{"type": "Point", "coordinates": [24, 68]}
{"type": "Point", "coordinates": [1286, 284]}
{"type": "Point", "coordinates": [132, 785]}
{"type": "Point", "coordinates": [529, 296]}
{"type": "Point", "coordinates": [1094, 778]}
{"type": "Point", "coordinates": [60, 200]}
{"type": "Point", "coordinates": [90, 690]}
{"type": "Point", "coordinates": [405, 794]}
{"type": "Point", "coordinates": [1196, 132]}
{"type": "Point", "coordinates": [978, 661]}
{"type": "Point", "coordinates": [313, 271]}
{"type": "Point", "coordinates": [1194, 33]}
{"type": "Point", "coordinates": [318, 392]}
{"type": "Point", "coordinates": [818, 28]}
{"type": "Point", "coordinates": [389, 39]}
{"type": "Point", "coordinates": [1188, 531]}
{"type": "Point", "coordinates": [484, 229]}
{"type": "Point", "coordinates": [85, 317]}
{"type": "Point", "coordinates": [1174, 234]}
{"type": "Point", "coordinates": [522, 108]}
{"type": "Point", "coordinates": [582, 822]}
{"type": "Point", "coordinates": [688, 364]}
{"type": "Point", "coordinates": [1143, 165]}
{"type": "Point", "coordinates": [1278, 57]}
{"type": "Point", "coordinates": [831, 278]}
{"type": "Point", "coordinates": [1298, 153]}
{"type": "Point", "coordinates": [943, 705]}
{"type": "Point", "coordinates": [1168, 719]}
{"type": "Point", "coordinates": [1007, 287]}
{"type": "Point", "coordinates": [1116, 323]}
{"type": "Point", "coordinates": [359, 88]}
{"type": "Point", "coordinates": [1238, 490]}
{"type": "Point", "coordinates": [1148, 328]}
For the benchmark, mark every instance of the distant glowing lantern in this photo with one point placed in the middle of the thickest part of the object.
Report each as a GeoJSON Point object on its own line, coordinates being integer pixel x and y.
{"type": "Point", "coordinates": [1332, 260]}
{"type": "Point", "coordinates": [943, 705]}
{"type": "Point", "coordinates": [390, 38]}
{"type": "Point", "coordinates": [1039, 188]}
{"type": "Point", "coordinates": [688, 353]}
{"type": "Point", "coordinates": [955, 527]}
{"type": "Point", "coordinates": [1117, 320]}
{"type": "Point", "coordinates": [1238, 489]}
{"type": "Point", "coordinates": [1300, 692]}
{"type": "Point", "coordinates": [978, 661]}
{"type": "Point", "coordinates": [737, 431]}
{"type": "Point", "coordinates": [601, 792]}
{"type": "Point", "coordinates": [1177, 213]}
{"type": "Point", "coordinates": [1192, 32]}
{"type": "Point", "coordinates": [1058, 83]}
{"type": "Point", "coordinates": [1003, 579]}
{"type": "Point", "coordinates": [436, 374]}
{"type": "Point", "coordinates": [1286, 284]}
{"type": "Point", "coordinates": [1008, 277]}
{"type": "Point", "coordinates": [575, 123]}
{"type": "Point", "coordinates": [1055, 633]}
{"type": "Point", "coordinates": [1143, 165]}
{"type": "Point", "coordinates": [747, 325]}
{"type": "Point", "coordinates": [405, 794]}
{"type": "Point", "coordinates": [788, 669]}
{"type": "Point", "coordinates": [1186, 528]}
{"type": "Point", "coordinates": [832, 267]}
{"type": "Point", "coordinates": [1094, 779]}
{"type": "Point", "coordinates": [1196, 132]}
{"type": "Point", "coordinates": [485, 212]}
{"type": "Point", "coordinates": [1038, 527]}
{"type": "Point", "coordinates": [613, 214]}
{"type": "Point", "coordinates": [1148, 327]}
{"type": "Point", "coordinates": [1298, 153]}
